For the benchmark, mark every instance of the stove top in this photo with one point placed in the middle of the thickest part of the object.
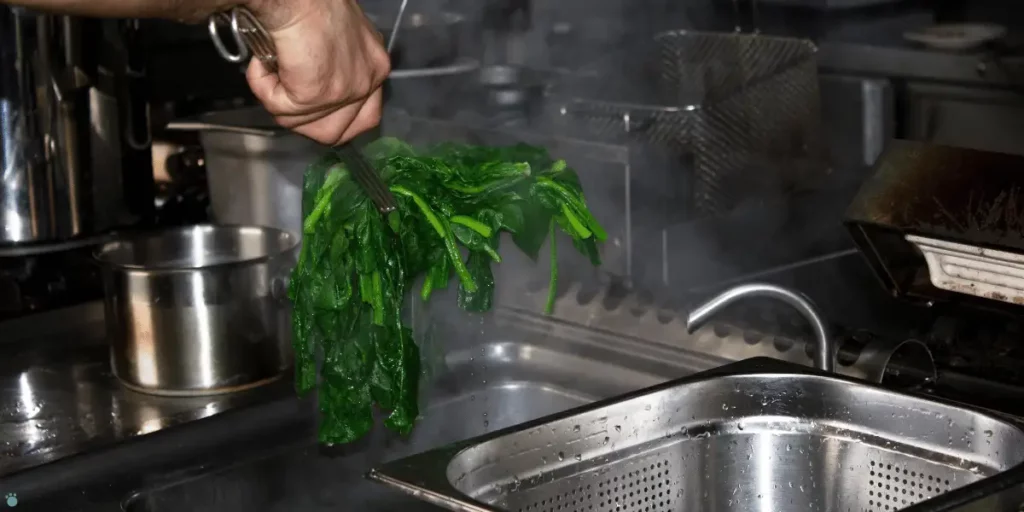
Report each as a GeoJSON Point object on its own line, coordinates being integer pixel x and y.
{"type": "Point", "coordinates": [41, 278]}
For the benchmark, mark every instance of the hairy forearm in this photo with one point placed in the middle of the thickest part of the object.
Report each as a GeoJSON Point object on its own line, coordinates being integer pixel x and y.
{"type": "Point", "coordinates": [182, 10]}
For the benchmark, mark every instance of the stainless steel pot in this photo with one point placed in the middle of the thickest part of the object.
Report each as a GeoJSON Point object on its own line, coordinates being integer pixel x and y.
{"type": "Point", "coordinates": [198, 310]}
{"type": "Point", "coordinates": [254, 167]}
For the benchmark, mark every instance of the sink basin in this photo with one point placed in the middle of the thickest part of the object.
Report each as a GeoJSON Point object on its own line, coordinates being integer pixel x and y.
{"type": "Point", "coordinates": [479, 388]}
{"type": "Point", "coordinates": [760, 434]}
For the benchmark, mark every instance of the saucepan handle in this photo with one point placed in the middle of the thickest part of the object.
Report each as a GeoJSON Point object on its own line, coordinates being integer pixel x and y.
{"type": "Point", "coordinates": [632, 122]}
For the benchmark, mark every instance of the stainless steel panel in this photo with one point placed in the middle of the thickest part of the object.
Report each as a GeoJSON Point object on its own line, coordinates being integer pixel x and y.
{"type": "Point", "coordinates": [988, 119]}
{"type": "Point", "coordinates": [858, 116]}
{"type": "Point", "coordinates": [826, 5]}
{"type": "Point", "coordinates": [198, 310]}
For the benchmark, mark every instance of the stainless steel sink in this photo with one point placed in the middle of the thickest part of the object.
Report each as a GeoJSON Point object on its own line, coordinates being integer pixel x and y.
{"type": "Point", "coordinates": [478, 388]}
{"type": "Point", "coordinates": [758, 435]}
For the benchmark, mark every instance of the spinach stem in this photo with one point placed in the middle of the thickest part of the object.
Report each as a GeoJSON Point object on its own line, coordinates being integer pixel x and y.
{"type": "Point", "coordinates": [492, 253]}
{"type": "Point", "coordinates": [323, 199]}
{"type": "Point", "coordinates": [577, 204]}
{"type": "Point", "coordinates": [445, 233]}
{"type": "Point", "coordinates": [580, 230]}
{"type": "Point", "coordinates": [471, 223]}
{"type": "Point", "coordinates": [549, 308]}
{"type": "Point", "coordinates": [428, 288]}
{"type": "Point", "coordinates": [378, 299]}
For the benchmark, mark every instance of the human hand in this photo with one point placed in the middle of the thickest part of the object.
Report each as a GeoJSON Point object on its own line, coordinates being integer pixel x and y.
{"type": "Point", "coordinates": [331, 64]}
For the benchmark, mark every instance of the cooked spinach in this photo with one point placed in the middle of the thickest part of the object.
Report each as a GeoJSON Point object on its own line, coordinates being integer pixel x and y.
{"type": "Point", "coordinates": [355, 266]}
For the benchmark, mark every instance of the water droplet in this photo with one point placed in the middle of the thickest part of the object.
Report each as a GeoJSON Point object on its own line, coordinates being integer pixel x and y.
{"type": "Point", "coordinates": [561, 456]}
{"type": "Point", "coordinates": [606, 439]}
{"type": "Point", "coordinates": [579, 457]}
{"type": "Point", "coordinates": [725, 407]}
{"type": "Point", "coordinates": [739, 426]}
{"type": "Point", "coordinates": [988, 433]}
{"type": "Point", "coordinates": [618, 428]}
{"type": "Point", "coordinates": [789, 448]}
{"type": "Point", "coordinates": [576, 428]}
{"type": "Point", "coordinates": [486, 423]}
{"type": "Point", "coordinates": [647, 407]}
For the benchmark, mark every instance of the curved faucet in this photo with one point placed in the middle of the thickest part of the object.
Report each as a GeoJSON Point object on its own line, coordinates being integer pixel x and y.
{"type": "Point", "coordinates": [824, 358]}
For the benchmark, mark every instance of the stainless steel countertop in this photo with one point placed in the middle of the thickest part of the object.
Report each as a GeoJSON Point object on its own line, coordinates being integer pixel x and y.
{"type": "Point", "coordinates": [58, 397]}
{"type": "Point", "coordinates": [900, 60]}
{"type": "Point", "coordinates": [877, 48]}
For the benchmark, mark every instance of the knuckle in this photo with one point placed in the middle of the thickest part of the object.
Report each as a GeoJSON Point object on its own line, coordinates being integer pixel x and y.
{"type": "Point", "coordinates": [381, 65]}
{"type": "Point", "coordinates": [363, 86]}
{"type": "Point", "coordinates": [312, 93]}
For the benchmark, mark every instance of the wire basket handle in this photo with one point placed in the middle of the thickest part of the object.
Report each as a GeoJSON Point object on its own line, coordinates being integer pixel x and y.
{"type": "Point", "coordinates": [753, 16]}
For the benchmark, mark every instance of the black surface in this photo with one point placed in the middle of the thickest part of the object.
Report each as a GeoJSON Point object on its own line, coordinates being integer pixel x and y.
{"type": "Point", "coordinates": [47, 281]}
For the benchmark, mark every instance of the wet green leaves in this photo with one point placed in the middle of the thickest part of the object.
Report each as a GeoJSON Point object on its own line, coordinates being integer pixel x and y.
{"type": "Point", "coordinates": [355, 267]}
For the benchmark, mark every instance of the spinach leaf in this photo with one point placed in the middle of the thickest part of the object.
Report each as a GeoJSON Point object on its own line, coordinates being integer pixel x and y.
{"type": "Point", "coordinates": [356, 266]}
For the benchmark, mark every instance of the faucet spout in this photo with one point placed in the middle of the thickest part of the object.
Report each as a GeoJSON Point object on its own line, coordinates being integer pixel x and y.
{"type": "Point", "coordinates": [824, 358]}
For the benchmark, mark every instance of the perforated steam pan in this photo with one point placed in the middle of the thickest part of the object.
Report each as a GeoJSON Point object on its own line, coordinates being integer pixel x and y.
{"type": "Point", "coordinates": [758, 434]}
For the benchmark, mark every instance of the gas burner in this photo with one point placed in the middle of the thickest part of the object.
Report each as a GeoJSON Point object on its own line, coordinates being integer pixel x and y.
{"type": "Point", "coordinates": [43, 277]}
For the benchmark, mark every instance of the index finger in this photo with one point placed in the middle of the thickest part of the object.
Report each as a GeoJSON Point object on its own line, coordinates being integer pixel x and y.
{"type": "Point", "coordinates": [270, 91]}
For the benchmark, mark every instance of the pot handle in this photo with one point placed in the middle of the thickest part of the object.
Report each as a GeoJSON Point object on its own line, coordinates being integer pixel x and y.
{"type": "Point", "coordinates": [197, 125]}
{"type": "Point", "coordinates": [630, 123]}
{"type": "Point", "coordinates": [279, 288]}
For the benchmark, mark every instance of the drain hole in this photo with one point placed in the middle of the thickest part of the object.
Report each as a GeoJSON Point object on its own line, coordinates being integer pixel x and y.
{"type": "Point", "coordinates": [587, 292]}
{"type": "Point", "coordinates": [782, 344]}
{"type": "Point", "coordinates": [644, 301]}
{"type": "Point", "coordinates": [614, 296]}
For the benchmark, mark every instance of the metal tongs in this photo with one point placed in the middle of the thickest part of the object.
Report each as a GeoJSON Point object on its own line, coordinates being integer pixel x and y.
{"type": "Point", "coordinates": [252, 39]}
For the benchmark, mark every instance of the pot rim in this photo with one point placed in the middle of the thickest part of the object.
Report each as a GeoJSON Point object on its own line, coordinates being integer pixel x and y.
{"type": "Point", "coordinates": [102, 255]}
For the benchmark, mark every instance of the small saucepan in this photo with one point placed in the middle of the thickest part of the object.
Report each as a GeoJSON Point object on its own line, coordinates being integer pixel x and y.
{"type": "Point", "coordinates": [198, 310]}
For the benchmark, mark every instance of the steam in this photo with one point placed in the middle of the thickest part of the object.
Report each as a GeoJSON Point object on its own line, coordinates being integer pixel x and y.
{"type": "Point", "coordinates": [659, 244]}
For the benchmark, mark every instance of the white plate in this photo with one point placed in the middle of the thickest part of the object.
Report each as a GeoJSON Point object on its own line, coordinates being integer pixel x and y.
{"type": "Point", "coordinates": [957, 36]}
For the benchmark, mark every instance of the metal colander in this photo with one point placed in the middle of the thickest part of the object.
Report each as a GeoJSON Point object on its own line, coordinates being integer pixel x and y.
{"type": "Point", "coordinates": [764, 440]}
{"type": "Point", "coordinates": [742, 112]}
{"type": "Point", "coordinates": [689, 476]}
